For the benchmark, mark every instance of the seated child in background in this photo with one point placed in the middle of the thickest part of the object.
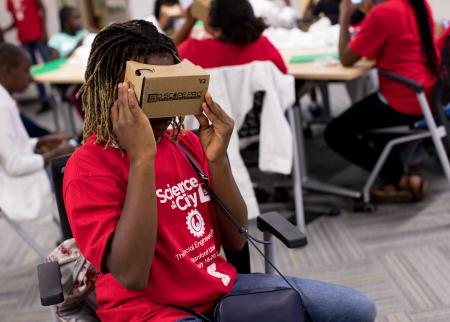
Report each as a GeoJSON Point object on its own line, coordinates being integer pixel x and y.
{"type": "Point", "coordinates": [237, 37]}
{"type": "Point", "coordinates": [131, 196]}
{"type": "Point", "coordinates": [407, 24]}
{"type": "Point", "coordinates": [168, 14]}
{"type": "Point", "coordinates": [64, 43]}
{"type": "Point", "coordinates": [25, 191]}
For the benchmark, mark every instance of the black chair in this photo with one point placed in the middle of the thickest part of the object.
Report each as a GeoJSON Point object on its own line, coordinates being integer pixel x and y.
{"type": "Point", "coordinates": [272, 224]}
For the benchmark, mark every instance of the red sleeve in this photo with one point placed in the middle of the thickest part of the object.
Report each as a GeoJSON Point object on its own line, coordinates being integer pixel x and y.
{"type": "Point", "coordinates": [185, 49]}
{"type": "Point", "coordinates": [373, 35]}
{"type": "Point", "coordinates": [441, 40]}
{"type": "Point", "coordinates": [9, 6]}
{"type": "Point", "coordinates": [275, 56]}
{"type": "Point", "coordinates": [94, 205]}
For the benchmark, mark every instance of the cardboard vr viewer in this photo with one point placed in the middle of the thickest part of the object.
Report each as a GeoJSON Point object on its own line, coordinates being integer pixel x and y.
{"type": "Point", "coordinates": [166, 91]}
{"type": "Point", "coordinates": [200, 9]}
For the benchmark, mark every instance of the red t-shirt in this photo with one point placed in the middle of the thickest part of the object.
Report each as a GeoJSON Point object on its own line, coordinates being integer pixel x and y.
{"type": "Point", "coordinates": [186, 269]}
{"type": "Point", "coordinates": [390, 35]}
{"type": "Point", "coordinates": [212, 53]}
{"type": "Point", "coordinates": [27, 19]}
{"type": "Point", "coordinates": [441, 41]}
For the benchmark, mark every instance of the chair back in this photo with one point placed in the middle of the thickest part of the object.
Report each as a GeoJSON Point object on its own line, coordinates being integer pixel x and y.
{"type": "Point", "coordinates": [441, 94]}
{"type": "Point", "coordinates": [58, 166]}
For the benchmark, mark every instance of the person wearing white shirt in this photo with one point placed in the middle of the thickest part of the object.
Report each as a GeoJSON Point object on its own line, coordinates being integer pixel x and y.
{"type": "Point", "coordinates": [25, 192]}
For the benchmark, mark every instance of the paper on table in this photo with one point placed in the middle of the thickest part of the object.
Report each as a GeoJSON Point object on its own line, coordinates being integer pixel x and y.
{"type": "Point", "coordinates": [310, 58]}
{"type": "Point", "coordinates": [47, 67]}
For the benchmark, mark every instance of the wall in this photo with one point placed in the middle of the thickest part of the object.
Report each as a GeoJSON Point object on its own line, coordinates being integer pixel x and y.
{"type": "Point", "coordinates": [441, 9]}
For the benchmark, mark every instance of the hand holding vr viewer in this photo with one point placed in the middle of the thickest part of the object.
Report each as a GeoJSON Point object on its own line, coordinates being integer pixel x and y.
{"type": "Point", "coordinates": [167, 91]}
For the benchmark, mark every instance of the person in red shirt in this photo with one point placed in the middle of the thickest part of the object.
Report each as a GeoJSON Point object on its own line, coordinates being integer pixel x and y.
{"type": "Point", "coordinates": [237, 38]}
{"type": "Point", "coordinates": [29, 19]}
{"type": "Point", "coordinates": [138, 210]}
{"type": "Point", "coordinates": [398, 34]}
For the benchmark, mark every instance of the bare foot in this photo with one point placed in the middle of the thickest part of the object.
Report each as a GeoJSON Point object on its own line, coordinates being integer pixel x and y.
{"type": "Point", "coordinates": [415, 186]}
{"type": "Point", "coordinates": [389, 188]}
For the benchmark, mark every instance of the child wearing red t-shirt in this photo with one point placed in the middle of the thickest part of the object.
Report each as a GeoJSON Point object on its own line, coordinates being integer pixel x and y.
{"type": "Point", "coordinates": [141, 215]}
{"type": "Point", "coordinates": [29, 19]}
{"type": "Point", "coordinates": [237, 38]}
{"type": "Point", "coordinates": [398, 34]}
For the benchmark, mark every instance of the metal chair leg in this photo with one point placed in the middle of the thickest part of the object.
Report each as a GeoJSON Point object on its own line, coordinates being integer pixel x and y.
{"type": "Point", "coordinates": [436, 134]}
{"type": "Point", "coordinates": [24, 236]}
{"type": "Point", "coordinates": [384, 155]}
{"type": "Point", "coordinates": [54, 316]}
{"type": "Point", "coordinates": [269, 251]}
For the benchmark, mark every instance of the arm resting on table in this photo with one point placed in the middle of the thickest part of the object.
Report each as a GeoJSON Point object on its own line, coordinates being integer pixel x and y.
{"type": "Point", "coordinates": [282, 229]}
{"type": "Point", "coordinates": [415, 86]}
{"type": "Point", "coordinates": [50, 288]}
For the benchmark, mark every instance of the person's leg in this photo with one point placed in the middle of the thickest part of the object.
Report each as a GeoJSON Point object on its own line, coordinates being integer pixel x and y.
{"type": "Point", "coordinates": [33, 130]}
{"type": "Point", "coordinates": [325, 302]}
{"type": "Point", "coordinates": [344, 135]}
{"type": "Point", "coordinates": [44, 50]}
{"type": "Point", "coordinates": [190, 319]}
{"type": "Point", "coordinates": [30, 48]}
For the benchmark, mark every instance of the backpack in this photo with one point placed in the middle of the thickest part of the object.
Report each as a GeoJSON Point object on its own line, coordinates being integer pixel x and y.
{"type": "Point", "coordinates": [78, 277]}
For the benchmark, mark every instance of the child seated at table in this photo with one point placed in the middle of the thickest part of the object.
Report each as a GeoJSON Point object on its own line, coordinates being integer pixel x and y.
{"type": "Point", "coordinates": [120, 189]}
{"type": "Point", "coordinates": [237, 37]}
{"type": "Point", "coordinates": [25, 191]}
{"type": "Point", "coordinates": [71, 36]}
{"type": "Point", "coordinates": [399, 35]}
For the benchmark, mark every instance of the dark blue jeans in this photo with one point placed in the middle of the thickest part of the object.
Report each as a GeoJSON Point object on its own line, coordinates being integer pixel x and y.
{"type": "Point", "coordinates": [325, 302]}
{"type": "Point", "coordinates": [31, 47]}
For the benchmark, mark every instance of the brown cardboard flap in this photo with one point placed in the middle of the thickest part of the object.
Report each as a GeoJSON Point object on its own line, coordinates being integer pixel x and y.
{"type": "Point", "coordinates": [200, 9]}
{"type": "Point", "coordinates": [165, 91]}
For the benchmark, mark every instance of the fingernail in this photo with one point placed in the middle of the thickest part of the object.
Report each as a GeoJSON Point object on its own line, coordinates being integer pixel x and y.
{"type": "Point", "coordinates": [120, 85]}
{"type": "Point", "coordinates": [129, 90]}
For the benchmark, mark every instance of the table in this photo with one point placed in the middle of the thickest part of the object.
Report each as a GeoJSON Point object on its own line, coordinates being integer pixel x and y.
{"type": "Point", "coordinates": [65, 74]}
{"type": "Point", "coordinates": [59, 72]}
{"type": "Point", "coordinates": [306, 71]}
{"type": "Point", "coordinates": [334, 72]}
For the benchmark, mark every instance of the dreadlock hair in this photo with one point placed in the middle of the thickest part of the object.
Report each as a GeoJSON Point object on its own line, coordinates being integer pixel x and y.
{"type": "Point", "coordinates": [424, 23]}
{"type": "Point", "coordinates": [64, 15]}
{"type": "Point", "coordinates": [236, 20]}
{"type": "Point", "coordinates": [112, 47]}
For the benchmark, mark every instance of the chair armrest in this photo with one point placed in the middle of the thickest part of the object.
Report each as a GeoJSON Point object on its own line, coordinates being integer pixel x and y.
{"type": "Point", "coordinates": [415, 86]}
{"type": "Point", "coordinates": [282, 229]}
{"type": "Point", "coordinates": [50, 289]}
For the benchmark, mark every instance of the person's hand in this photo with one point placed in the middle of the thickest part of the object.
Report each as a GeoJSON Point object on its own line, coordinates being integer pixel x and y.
{"type": "Point", "coordinates": [348, 8]}
{"type": "Point", "coordinates": [63, 148]}
{"type": "Point", "coordinates": [188, 14]}
{"type": "Point", "coordinates": [53, 140]}
{"type": "Point", "coordinates": [366, 6]}
{"type": "Point", "coordinates": [132, 126]}
{"type": "Point", "coordinates": [438, 29]}
{"type": "Point", "coordinates": [214, 138]}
